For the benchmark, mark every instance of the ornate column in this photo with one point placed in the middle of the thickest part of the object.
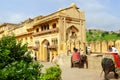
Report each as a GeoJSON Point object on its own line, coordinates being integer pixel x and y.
{"type": "Point", "coordinates": [64, 28]}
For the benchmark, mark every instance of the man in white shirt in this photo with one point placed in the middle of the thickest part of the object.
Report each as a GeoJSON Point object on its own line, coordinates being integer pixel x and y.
{"type": "Point", "coordinates": [88, 50]}
{"type": "Point", "coordinates": [114, 50]}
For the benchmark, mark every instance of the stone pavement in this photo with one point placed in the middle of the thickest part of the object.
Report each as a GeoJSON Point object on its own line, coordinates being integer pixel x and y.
{"type": "Point", "coordinates": [92, 73]}
{"type": "Point", "coordinates": [69, 73]}
{"type": "Point", "coordinates": [80, 74]}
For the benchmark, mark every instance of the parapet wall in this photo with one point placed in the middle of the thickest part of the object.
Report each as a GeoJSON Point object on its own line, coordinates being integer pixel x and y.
{"type": "Point", "coordinates": [102, 46]}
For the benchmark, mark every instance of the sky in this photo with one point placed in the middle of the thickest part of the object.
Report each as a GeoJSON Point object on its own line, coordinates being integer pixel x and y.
{"type": "Point", "coordinates": [99, 14]}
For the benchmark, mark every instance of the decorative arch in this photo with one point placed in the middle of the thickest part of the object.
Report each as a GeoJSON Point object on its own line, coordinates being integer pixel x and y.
{"type": "Point", "coordinates": [97, 47]}
{"type": "Point", "coordinates": [45, 53]}
{"type": "Point", "coordinates": [117, 44]}
{"type": "Point", "coordinates": [104, 46]}
{"type": "Point", "coordinates": [110, 42]}
{"type": "Point", "coordinates": [71, 32]}
{"type": "Point", "coordinates": [72, 28]}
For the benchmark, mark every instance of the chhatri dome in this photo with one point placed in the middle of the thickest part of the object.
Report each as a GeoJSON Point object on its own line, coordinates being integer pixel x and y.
{"type": "Point", "coordinates": [73, 5]}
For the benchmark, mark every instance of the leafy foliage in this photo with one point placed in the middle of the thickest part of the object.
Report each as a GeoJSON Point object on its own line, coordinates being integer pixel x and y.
{"type": "Point", "coordinates": [14, 64]}
{"type": "Point", "coordinates": [17, 64]}
{"type": "Point", "coordinates": [20, 70]}
{"type": "Point", "coordinates": [101, 35]}
{"type": "Point", "coordinates": [52, 73]}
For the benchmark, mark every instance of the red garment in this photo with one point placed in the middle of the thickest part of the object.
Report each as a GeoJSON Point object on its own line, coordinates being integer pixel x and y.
{"type": "Point", "coordinates": [75, 56]}
{"type": "Point", "coordinates": [117, 60]}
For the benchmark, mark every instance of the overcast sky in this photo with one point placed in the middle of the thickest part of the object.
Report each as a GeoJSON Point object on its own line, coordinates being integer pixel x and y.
{"type": "Point", "coordinates": [99, 14]}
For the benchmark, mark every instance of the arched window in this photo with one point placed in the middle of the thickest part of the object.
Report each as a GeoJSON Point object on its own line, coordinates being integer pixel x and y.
{"type": "Point", "coordinates": [71, 32]}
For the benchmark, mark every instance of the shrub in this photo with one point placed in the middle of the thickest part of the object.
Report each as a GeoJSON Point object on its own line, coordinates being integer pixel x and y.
{"type": "Point", "coordinates": [14, 65]}
{"type": "Point", "coordinates": [17, 64]}
{"type": "Point", "coordinates": [52, 73]}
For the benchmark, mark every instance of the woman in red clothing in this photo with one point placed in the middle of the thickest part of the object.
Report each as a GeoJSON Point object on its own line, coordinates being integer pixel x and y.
{"type": "Point", "coordinates": [75, 56]}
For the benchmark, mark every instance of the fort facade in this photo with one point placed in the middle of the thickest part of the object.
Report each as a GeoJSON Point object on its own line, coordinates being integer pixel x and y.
{"type": "Point", "coordinates": [50, 35]}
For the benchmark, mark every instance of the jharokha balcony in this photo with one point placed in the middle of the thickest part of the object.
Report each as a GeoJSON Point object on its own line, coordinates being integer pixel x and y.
{"type": "Point", "coordinates": [46, 32]}
{"type": "Point", "coordinates": [52, 47]}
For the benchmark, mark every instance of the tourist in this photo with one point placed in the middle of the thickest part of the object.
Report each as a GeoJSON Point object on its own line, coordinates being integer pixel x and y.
{"type": "Point", "coordinates": [88, 50]}
{"type": "Point", "coordinates": [75, 56]}
{"type": "Point", "coordinates": [114, 50]}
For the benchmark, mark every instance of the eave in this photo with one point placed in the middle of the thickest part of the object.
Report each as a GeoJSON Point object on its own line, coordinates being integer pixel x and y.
{"type": "Point", "coordinates": [46, 32]}
{"type": "Point", "coordinates": [24, 34]}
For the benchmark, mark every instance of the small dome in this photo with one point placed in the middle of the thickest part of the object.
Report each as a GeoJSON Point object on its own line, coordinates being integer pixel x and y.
{"type": "Point", "coordinates": [73, 5]}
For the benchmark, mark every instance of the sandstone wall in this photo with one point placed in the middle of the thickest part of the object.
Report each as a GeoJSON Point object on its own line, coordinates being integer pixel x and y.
{"type": "Point", "coordinates": [102, 46]}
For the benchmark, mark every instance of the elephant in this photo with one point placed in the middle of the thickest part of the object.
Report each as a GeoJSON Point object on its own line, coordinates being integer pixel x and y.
{"type": "Point", "coordinates": [80, 64]}
{"type": "Point", "coordinates": [108, 66]}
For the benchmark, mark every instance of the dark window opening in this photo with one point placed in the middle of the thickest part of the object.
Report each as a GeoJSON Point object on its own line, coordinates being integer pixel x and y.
{"type": "Point", "coordinates": [42, 28]}
{"type": "Point", "coordinates": [45, 27]}
{"type": "Point", "coordinates": [37, 30]}
{"type": "Point", "coordinates": [73, 33]}
{"type": "Point", "coordinates": [54, 25]}
{"type": "Point", "coordinates": [54, 41]}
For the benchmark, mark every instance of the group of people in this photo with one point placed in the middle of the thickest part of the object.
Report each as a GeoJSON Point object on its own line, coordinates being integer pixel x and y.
{"type": "Point", "coordinates": [111, 50]}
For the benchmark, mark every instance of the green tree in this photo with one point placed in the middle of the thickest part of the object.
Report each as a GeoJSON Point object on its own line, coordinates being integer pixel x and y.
{"type": "Point", "coordinates": [14, 63]}
{"type": "Point", "coordinates": [118, 35]}
{"type": "Point", "coordinates": [90, 32]}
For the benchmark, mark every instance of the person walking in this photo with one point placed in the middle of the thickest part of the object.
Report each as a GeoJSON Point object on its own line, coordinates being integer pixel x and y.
{"type": "Point", "coordinates": [88, 50]}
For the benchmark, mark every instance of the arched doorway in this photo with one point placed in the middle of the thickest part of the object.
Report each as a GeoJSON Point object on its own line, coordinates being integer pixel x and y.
{"type": "Point", "coordinates": [45, 50]}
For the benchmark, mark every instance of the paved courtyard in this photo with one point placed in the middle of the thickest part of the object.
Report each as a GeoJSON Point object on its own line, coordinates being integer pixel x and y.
{"type": "Point", "coordinates": [92, 73]}
{"type": "Point", "coordinates": [78, 74]}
